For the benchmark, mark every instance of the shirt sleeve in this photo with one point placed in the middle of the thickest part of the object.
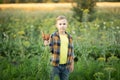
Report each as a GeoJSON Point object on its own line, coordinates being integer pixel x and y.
{"type": "Point", "coordinates": [72, 48]}
{"type": "Point", "coordinates": [72, 52]}
{"type": "Point", "coordinates": [51, 44]}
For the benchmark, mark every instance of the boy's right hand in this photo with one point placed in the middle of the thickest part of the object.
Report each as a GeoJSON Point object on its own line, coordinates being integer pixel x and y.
{"type": "Point", "coordinates": [46, 38]}
{"type": "Point", "coordinates": [46, 42]}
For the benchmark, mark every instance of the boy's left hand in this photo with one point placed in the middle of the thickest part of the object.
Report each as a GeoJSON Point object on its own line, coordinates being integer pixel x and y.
{"type": "Point", "coordinates": [71, 67]}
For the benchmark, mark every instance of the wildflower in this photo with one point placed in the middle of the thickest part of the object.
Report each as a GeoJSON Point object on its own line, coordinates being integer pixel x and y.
{"type": "Point", "coordinates": [98, 74]}
{"type": "Point", "coordinates": [109, 69]}
{"type": "Point", "coordinates": [73, 32]}
{"type": "Point", "coordinates": [117, 27]}
{"type": "Point", "coordinates": [21, 32]}
{"type": "Point", "coordinates": [101, 59]}
{"type": "Point", "coordinates": [26, 43]}
{"type": "Point", "coordinates": [31, 26]}
{"type": "Point", "coordinates": [86, 10]}
{"type": "Point", "coordinates": [14, 36]}
{"type": "Point", "coordinates": [104, 27]}
{"type": "Point", "coordinates": [113, 58]}
{"type": "Point", "coordinates": [5, 35]}
{"type": "Point", "coordinates": [104, 23]}
{"type": "Point", "coordinates": [78, 37]}
{"type": "Point", "coordinates": [95, 24]}
{"type": "Point", "coordinates": [98, 26]}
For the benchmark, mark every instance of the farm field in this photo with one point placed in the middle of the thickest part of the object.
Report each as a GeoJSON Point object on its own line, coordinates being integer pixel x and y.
{"type": "Point", "coordinates": [53, 6]}
{"type": "Point", "coordinates": [24, 57]}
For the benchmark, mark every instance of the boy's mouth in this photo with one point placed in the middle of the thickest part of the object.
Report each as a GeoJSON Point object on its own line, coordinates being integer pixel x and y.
{"type": "Point", "coordinates": [62, 29]}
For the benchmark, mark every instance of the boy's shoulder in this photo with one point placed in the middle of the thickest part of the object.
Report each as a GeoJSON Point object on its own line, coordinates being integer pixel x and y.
{"type": "Point", "coordinates": [54, 33]}
{"type": "Point", "coordinates": [57, 34]}
{"type": "Point", "coordinates": [69, 35]}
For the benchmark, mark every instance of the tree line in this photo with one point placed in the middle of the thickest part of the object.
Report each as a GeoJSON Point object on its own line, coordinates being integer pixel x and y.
{"type": "Point", "coordinates": [44, 1]}
{"type": "Point", "coordinates": [33, 1]}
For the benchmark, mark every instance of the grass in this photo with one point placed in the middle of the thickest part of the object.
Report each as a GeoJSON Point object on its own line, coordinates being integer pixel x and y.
{"type": "Point", "coordinates": [23, 55]}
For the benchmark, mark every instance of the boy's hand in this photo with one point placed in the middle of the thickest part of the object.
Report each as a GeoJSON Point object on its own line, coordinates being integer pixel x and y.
{"type": "Point", "coordinates": [46, 38]}
{"type": "Point", "coordinates": [46, 42]}
{"type": "Point", "coordinates": [71, 67]}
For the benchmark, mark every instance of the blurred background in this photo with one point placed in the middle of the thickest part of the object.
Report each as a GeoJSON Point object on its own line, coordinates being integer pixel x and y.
{"type": "Point", "coordinates": [44, 1]}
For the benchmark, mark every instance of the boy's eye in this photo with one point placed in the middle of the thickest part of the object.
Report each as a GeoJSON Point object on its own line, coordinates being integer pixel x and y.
{"type": "Point", "coordinates": [60, 24]}
{"type": "Point", "coordinates": [64, 24]}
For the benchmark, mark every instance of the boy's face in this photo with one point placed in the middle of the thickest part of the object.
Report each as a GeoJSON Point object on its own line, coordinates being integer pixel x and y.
{"type": "Point", "coordinates": [61, 25]}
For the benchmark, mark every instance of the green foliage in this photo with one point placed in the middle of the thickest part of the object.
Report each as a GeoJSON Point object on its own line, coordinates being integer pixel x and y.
{"type": "Point", "coordinates": [84, 10]}
{"type": "Point", "coordinates": [55, 1]}
{"type": "Point", "coordinates": [25, 69]}
{"type": "Point", "coordinates": [24, 57]}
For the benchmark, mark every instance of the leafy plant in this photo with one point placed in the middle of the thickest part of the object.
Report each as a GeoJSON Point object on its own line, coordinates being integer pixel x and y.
{"type": "Point", "coordinates": [84, 9]}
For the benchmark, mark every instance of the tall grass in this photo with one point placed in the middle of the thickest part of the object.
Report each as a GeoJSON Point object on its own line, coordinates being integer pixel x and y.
{"type": "Point", "coordinates": [23, 55]}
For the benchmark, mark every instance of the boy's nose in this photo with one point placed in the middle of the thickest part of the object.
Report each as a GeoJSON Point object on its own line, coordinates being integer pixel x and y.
{"type": "Point", "coordinates": [62, 26]}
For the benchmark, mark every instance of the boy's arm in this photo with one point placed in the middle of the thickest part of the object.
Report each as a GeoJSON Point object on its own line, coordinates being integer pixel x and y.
{"type": "Point", "coordinates": [72, 63]}
{"type": "Point", "coordinates": [72, 66]}
{"type": "Point", "coordinates": [49, 43]}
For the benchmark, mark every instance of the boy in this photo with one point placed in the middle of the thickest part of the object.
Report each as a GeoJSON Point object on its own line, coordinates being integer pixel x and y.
{"type": "Point", "coordinates": [62, 53]}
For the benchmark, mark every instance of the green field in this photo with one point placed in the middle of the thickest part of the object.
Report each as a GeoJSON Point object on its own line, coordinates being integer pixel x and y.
{"type": "Point", "coordinates": [24, 57]}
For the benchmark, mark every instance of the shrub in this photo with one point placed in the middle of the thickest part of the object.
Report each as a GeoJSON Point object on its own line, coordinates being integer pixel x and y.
{"type": "Point", "coordinates": [83, 7]}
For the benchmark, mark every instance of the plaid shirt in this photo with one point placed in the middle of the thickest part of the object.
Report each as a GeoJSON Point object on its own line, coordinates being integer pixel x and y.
{"type": "Point", "coordinates": [55, 49]}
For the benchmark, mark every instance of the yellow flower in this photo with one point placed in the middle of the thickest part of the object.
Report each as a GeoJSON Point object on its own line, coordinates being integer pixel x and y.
{"type": "Point", "coordinates": [86, 10]}
{"type": "Point", "coordinates": [101, 59]}
{"type": "Point", "coordinates": [113, 58]}
{"type": "Point", "coordinates": [98, 74]}
{"type": "Point", "coordinates": [109, 69]}
{"type": "Point", "coordinates": [26, 43]}
{"type": "Point", "coordinates": [21, 32]}
{"type": "Point", "coordinates": [14, 36]}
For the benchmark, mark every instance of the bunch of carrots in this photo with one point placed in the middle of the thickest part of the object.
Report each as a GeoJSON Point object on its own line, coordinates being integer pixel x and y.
{"type": "Point", "coordinates": [45, 36]}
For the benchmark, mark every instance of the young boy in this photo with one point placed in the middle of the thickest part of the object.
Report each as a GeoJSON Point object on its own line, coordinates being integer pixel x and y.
{"type": "Point", "coordinates": [62, 53]}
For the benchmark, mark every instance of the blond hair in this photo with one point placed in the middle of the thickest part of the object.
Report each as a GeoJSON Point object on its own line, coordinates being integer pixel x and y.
{"type": "Point", "coordinates": [61, 17]}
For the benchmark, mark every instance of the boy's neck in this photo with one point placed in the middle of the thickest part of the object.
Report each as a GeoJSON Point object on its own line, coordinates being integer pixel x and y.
{"type": "Point", "coordinates": [62, 32]}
